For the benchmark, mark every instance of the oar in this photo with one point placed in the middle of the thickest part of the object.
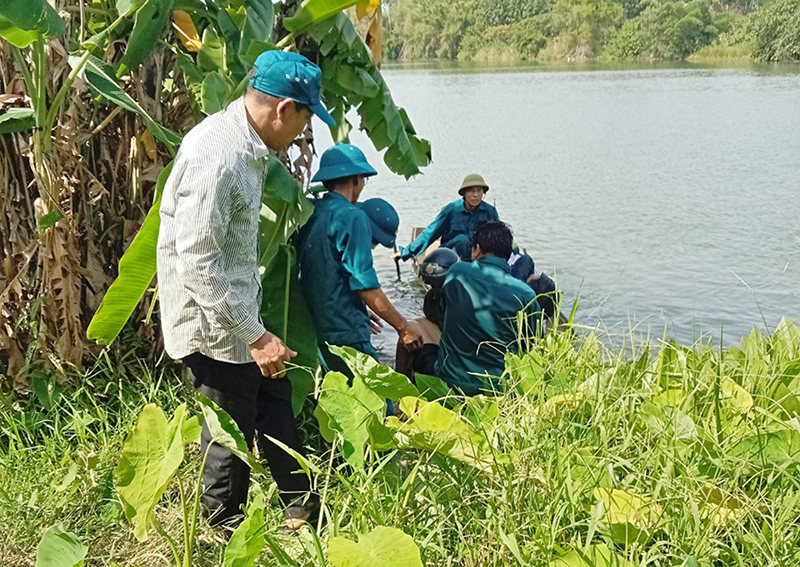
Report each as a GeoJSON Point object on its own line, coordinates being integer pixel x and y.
{"type": "Point", "coordinates": [397, 262]}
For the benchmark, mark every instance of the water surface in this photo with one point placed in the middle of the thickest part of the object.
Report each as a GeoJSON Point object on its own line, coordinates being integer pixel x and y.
{"type": "Point", "coordinates": [661, 197]}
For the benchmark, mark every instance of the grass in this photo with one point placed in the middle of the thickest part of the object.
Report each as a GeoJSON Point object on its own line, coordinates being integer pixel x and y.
{"type": "Point", "coordinates": [667, 455]}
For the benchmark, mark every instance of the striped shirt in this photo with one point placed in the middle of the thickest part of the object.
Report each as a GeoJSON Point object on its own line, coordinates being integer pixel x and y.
{"type": "Point", "coordinates": [209, 285]}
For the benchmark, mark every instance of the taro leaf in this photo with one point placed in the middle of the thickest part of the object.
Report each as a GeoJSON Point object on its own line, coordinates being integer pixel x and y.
{"type": "Point", "coordinates": [382, 547]}
{"type": "Point", "coordinates": [629, 517]}
{"type": "Point", "coordinates": [151, 455]}
{"type": "Point", "coordinates": [248, 540]}
{"type": "Point", "coordinates": [779, 449]}
{"type": "Point", "coordinates": [137, 268]}
{"type": "Point", "coordinates": [786, 393]}
{"type": "Point", "coordinates": [324, 423]}
{"type": "Point", "coordinates": [192, 429]}
{"type": "Point", "coordinates": [225, 433]}
{"type": "Point", "coordinates": [214, 92]}
{"type": "Point", "coordinates": [735, 396]}
{"type": "Point", "coordinates": [379, 378]}
{"type": "Point", "coordinates": [718, 506]}
{"type": "Point", "coordinates": [432, 388]}
{"type": "Point", "coordinates": [17, 120]}
{"type": "Point", "coordinates": [151, 19]}
{"type": "Point", "coordinates": [433, 427]}
{"type": "Point", "coordinates": [314, 11]}
{"type": "Point", "coordinates": [47, 389]}
{"type": "Point", "coordinates": [349, 410]}
{"type": "Point", "coordinates": [786, 340]}
{"type": "Point", "coordinates": [526, 371]}
{"type": "Point", "coordinates": [21, 21]}
{"type": "Point", "coordinates": [60, 548]}
{"type": "Point", "coordinates": [100, 77]}
{"type": "Point", "coordinates": [597, 555]}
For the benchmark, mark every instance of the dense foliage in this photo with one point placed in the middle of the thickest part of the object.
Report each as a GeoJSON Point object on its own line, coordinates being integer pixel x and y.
{"type": "Point", "coordinates": [663, 456]}
{"type": "Point", "coordinates": [587, 29]}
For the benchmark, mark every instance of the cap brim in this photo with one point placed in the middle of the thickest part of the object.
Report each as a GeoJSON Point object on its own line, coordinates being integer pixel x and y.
{"type": "Point", "coordinates": [323, 114]}
{"type": "Point", "coordinates": [383, 238]}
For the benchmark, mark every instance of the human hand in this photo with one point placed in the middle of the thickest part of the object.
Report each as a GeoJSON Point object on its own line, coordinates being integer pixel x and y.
{"type": "Point", "coordinates": [411, 335]}
{"type": "Point", "coordinates": [396, 255]}
{"type": "Point", "coordinates": [271, 354]}
{"type": "Point", "coordinates": [375, 323]}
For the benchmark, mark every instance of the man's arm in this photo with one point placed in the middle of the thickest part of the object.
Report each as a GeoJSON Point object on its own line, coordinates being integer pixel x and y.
{"type": "Point", "coordinates": [410, 331]}
{"type": "Point", "coordinates": [434, 230]}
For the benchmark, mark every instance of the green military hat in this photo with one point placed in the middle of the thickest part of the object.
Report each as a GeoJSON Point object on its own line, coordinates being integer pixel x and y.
{"type": "Point", "coordinates": [472, 180]}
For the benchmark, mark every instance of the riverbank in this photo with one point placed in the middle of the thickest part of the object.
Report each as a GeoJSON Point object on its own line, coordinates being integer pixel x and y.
{"type": "Point", "coordinates": [670, 456]}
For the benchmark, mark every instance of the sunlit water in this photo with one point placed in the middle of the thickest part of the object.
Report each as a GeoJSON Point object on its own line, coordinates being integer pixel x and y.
{"type": "Point", "coordinates": [662, 198]}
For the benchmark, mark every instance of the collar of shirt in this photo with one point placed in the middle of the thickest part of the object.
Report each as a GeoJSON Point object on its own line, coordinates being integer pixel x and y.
{"type": "Point", "coordinates": [334, 195]}
{"type": "Point", "coordinates": [463, 209]}
{"type": "Point", "coordinates": [239, 114]}
{"type": "Point", "coordinates": [495, 261]}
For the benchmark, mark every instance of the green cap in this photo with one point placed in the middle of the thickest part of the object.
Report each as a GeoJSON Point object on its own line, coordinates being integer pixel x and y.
{"type": "Point", "coordinates": [343, 160]}
{"type": "Point", "coordinates": [472, 180]}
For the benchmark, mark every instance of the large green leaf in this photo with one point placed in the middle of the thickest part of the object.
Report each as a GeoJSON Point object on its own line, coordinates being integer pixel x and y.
{"type": "Point", "coordinates": [350, 410]}
{"type": "Point", "coordinates": [257, 31]}
{"type": "Point", "coordinates": [629, 517]}
{"type": "Point", "coordinates": [151, 19]}
{"type": "Point", "coordinates": [21, 21]}
{"type": "Point", "coordinates": [382, 547]}
{"type": "Point", "coordinates": [100, 77]}
{"type": "Point", "coordinates": [150, 457]}
{"type": "Point", "coordinates": [226, 433]}
{"type": "Point", "coordinates": [314, 11]}
{"type": "Point", "coordinates": [17, 120]}
{"type": "Point", "coordinates": [248, 540]}
{"type": "Point", "coordinates": [597, 555]}
{"type": "Point", "coordinates": [378, 377]}
{"type": "Point", "coordinates": [137, 268]}
{"type": "Point", "coordinates": [778, 449]}
{"type": "Point", "coordinates": [60, 548]}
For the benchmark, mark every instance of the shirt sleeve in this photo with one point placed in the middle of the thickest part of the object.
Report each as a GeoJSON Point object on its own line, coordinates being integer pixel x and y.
{"type": "Point", "coordinates": [203, 208]}
{"type": "Point", "coordinates": [354, 242]}
{"type": "Point", "coordinates": [434, 230]}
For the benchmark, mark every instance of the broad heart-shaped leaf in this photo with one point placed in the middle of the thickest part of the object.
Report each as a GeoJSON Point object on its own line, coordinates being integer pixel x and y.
{"type": "Point", "coordinates": [314, 11]}
{"type": "Point", "coordinates": [382, 547]}
{"type": "Point", "coordinates": [629, 517]}
{"type": "Point", "coordinates": [433, 427]}
{"type": "Point", "coordinates": [150, 456]}
{"type": "Point", "coordinates": [349, 410]}
{"type": "Point", "coordinates": [786, 341]}
{"type": "Point", "coordinates": [248, 540]}
{"type": "Point", "coordinates": [60, 548]}
{"type": "Point", "coordinates": [735, 396]}
{"type": "Point", "coordinates": [786, 391]}
{"type": "Point", "coordinates": [432, 388]}
{"type": "Point", "coordinates": [151, 19]}
{"type": "Point", "coordinates": [597, 555]}
{"type": "Point", "coordinates": [137, 268]}
{"type": "Point", "coordinates": [226, 433]}
{"type": "Point", "coordinates": [21, 21]}
{"type": "Point", "coordinates": [17, 120]}
{"type": "Point", "coordinates": [778, 449]}
{"type": "Point", "coordinates": [378, 377]}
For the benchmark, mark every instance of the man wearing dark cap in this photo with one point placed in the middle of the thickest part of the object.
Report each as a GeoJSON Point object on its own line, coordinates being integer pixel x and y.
{"type": "Point", "coordinates": [335, 253]}
{"type": "Point", "coordinates": [209, 282]}
{"type": "Point", "coordinates": [456, 223]}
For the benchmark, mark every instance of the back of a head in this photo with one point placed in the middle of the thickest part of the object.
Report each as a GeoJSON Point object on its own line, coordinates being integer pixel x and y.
{"type": "Point", "coordinates": [494, 238]}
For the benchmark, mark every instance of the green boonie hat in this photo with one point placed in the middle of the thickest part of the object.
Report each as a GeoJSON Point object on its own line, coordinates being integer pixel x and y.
{"type": "Point", "coordinates": [472, 180]}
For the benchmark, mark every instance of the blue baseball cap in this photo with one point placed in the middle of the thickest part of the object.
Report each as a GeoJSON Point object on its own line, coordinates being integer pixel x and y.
{"type": "Point", "coordinates": [343, 160]}
{"type": "Point", "coordinates": [383, 219]}
{"type": "Point", "coordinates": [290, 75]}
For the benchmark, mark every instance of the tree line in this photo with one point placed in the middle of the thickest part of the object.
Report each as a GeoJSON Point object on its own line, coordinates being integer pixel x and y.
{"type": "Point", "coordinates": [569, 30]}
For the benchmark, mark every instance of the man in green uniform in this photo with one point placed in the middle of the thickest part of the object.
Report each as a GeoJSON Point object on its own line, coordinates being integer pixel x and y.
{"type": "Point", "coordinates": [456, 222]}
{"type": "Point", "coordinates": [335, 253]}
{"type": "Point", "coordinates": [481, 300]}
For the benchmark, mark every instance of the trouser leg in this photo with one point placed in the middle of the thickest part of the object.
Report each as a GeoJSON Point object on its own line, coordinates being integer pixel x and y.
{"type": "Point", "coordinates": [461, 246]}
{"type": "Point", "coordinates": [226, 478]}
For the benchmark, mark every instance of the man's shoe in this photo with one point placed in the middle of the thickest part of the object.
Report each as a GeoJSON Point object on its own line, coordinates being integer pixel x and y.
{"type": "Point", "coordinates": [299, 514]}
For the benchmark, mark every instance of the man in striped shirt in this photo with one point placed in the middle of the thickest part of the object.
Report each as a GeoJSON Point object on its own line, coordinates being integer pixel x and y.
{"type": "Point", "coordinates": [209, 283]}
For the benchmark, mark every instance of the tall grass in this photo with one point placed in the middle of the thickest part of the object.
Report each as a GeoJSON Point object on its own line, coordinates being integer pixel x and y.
{"type": "Point", "coordinates": [658, 453]}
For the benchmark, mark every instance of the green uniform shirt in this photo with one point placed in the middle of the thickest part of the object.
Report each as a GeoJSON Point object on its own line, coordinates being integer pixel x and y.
{"type": "Point", "coordinates": [481, 300]}
{"type": "Point", "coordinates": [335, 256]}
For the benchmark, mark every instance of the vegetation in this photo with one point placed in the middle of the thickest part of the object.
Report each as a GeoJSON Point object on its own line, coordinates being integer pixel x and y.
{"type": "Point", "coordinates": [765, 30]}
{"type": "Point", "coordinates": [641, 456]}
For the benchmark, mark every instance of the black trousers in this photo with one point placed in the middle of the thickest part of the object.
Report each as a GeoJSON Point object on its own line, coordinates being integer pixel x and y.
{"type": "Point", "coordinates": [261, 407]}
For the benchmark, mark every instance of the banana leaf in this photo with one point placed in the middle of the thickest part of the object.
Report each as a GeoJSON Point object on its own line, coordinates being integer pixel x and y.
{"type": "Point", "coordinates": [151, 19]}
{"type": "Point", "coordinates": [314, 11]}
{"type": "Point", "coordinates": [17, 120]}
{"type": "Point", "coordinates": [21, 21]}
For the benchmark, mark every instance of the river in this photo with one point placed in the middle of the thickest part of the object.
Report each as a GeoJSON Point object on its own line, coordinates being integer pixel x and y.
{"type": "Point", "coordinates": [663, 199]}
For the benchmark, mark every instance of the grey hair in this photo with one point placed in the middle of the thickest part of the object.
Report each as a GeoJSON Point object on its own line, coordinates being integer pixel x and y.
{"type": "Point", "coordinates": [261, 97]}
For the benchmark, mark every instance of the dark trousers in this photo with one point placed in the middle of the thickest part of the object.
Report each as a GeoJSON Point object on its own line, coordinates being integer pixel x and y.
{"type": "Point", "coordinates": [261, 407]}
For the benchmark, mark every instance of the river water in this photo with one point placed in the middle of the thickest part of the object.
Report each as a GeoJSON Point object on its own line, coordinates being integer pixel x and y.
{"type": "Point", "coordinates": [663, 199]}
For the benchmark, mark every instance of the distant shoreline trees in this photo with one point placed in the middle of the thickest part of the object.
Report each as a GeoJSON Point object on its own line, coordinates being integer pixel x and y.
{"type": "Point", "coordinates": [569, 30]}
